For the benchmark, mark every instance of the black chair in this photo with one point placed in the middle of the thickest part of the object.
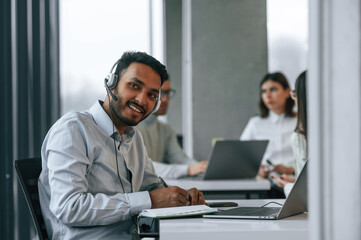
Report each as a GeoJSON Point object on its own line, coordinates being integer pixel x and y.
{"type": "Point", "coordinates": [28, 171]}
{"type": "Point", "coordinates": [180, 140]}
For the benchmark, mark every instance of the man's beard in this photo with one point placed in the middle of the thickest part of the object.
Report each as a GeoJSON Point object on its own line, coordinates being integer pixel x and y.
{"type": "Point", "coordinates": [117, 107]}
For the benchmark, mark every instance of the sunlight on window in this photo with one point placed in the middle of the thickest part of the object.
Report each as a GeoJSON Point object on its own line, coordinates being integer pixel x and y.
{"type": "Point", "coordinates": [287, 32]}
{"type": "Point", "coordinates": [93, 36]}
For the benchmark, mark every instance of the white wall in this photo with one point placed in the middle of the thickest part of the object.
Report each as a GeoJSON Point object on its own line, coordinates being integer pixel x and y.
{"type": "Point", "coordinates": [334, 88]}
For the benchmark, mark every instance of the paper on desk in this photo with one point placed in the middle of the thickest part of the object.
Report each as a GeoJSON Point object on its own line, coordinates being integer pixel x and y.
{"type": "Point", "coordinates": [172, 212]}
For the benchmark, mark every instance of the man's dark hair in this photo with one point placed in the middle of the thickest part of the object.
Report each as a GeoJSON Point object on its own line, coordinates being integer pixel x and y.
{"type": "Point", "coordinates": [141, 57]}
{"type": "Point", "coordinates": [301, 93]}
{"type": "Point", "coordinates": [281, 79]}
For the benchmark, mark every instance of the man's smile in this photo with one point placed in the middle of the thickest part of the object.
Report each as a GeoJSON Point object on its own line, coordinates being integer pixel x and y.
{"type": "Point", "coordinates": [136, 108]}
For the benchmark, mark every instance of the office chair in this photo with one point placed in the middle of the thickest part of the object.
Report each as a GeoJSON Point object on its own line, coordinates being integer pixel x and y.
{"type": "Point", "coordinates": [28, 171]}
{"type": "Point", "coordinates": [180, 140]}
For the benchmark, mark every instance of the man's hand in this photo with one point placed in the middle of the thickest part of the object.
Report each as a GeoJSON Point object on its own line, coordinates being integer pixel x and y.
{"type": "Point", "coordinates": [282, 169]}
{"type": "Point", "coordinates": [175, 196]}
{"type": "Point", "coordinates": [283, 180]}
{"type": "Point", "coordinates": [263, 170]}
{"type": "Point", "coordinates": [168, 197]}
{"type": "Point", "coordinates": [195, 197]}
{"type": "Point", "coordinates": [197, 168]}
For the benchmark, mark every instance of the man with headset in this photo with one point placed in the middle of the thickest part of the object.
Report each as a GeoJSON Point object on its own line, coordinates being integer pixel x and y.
{"type": "Point", "coordinates": [96, 174]}
{"type": "Point", "coordinates": [169, 159]}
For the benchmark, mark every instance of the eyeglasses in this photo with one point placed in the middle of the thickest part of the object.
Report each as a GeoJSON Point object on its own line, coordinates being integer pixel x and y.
{"type": "Point", "coordinates": [169, 93]}
{"type": "Point", "coordinates": [293, 95]}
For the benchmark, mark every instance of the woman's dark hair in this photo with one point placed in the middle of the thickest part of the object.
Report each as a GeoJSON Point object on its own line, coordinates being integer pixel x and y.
{"type": "Point", "coordinates": [281, 79]}
{"type": "Point", "coordinates": [141, 57]}
{"type": "Point", "coordinates": [301, 93]}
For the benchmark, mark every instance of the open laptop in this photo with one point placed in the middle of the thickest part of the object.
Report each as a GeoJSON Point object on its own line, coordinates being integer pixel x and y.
{"type": "Point", "coordinates": [296, 203]}
{"type": "Point", "coordinates": [234, 159]}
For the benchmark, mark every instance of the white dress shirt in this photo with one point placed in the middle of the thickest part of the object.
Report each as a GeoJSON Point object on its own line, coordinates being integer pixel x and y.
{"type": "Point", "coordinates": [80, 193]}
{"type": "Point", "coordinates": [299, 146]}
{"type": "Point", "coordinates": [277, 129]}
{"type": "Point", "coordinates": [169, 159]}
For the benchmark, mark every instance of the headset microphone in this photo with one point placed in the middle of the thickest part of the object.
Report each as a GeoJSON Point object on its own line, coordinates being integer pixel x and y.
{"type": "Point", "coordinates": [108, 90]}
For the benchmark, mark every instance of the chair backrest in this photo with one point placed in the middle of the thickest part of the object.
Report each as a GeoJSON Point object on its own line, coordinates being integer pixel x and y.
{"type": "Point", "coordinates": [180, 140]}
{"type": "Point", "coordinates": [28, 171]}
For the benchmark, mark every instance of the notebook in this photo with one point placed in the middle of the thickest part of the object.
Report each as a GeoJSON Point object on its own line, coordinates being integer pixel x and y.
{"type": "Point", "coordinates": [234, 159]}
{"type": "Point", "coordinates": [296, 203]}
{"type": "Point", "coordinates": [173, 212]}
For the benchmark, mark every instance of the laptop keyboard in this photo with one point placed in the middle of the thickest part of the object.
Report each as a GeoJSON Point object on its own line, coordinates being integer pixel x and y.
{"type": "Point", "coordinates": [252, 211]}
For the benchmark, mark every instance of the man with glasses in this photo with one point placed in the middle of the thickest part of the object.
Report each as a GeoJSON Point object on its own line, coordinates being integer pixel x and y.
{"type": "Point", "coordinates": [160, 140]}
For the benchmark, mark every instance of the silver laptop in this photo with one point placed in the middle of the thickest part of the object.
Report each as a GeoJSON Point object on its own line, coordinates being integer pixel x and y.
{"type": "Point", "coordinates": [234, 159]}
{"type": "Point", "coordinates": [296, 203]}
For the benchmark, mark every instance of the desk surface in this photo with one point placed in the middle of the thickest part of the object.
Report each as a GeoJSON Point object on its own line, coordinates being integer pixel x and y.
{"type": "Point", "coordinates": [294, 228]}
{"type": "Point", "coordinates": [223, 185]}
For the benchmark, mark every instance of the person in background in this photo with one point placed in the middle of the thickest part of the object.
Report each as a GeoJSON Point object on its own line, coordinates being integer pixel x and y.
{"type": "Point", "coordinates": [299, 136]}
{"type": "Point", "coordinates": [276, 124]}
{"type": "Point", "coordinates": [96, 175]}
{"type": "Point", "coordinates": [160, 140]}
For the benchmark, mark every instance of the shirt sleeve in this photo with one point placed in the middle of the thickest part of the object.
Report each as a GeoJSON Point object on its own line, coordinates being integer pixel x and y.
{"type": "Point", "coordinates": [151, 179]}
{"type": "Point", "coordinates": [170, 171]}
{"type": "Point", "coordinates": [299, 147]}
{"type": "Point", "coordinates": [174, 153]}
{"type": "Point", "coordinates": [70, 199]}
{"type": "Point", "coordinates": [247, 133]}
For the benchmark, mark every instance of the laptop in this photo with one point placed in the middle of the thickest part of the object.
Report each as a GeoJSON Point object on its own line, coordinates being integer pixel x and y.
{"type": "Point", "coordinates": [296, 203]}
{"type": "Point", "coordinates": [234, 159]}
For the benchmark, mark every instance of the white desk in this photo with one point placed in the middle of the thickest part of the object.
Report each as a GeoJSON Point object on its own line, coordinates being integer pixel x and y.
{"type": "Point", "coordinates": [294, 228]}
{"type": "Point", "coordinates": [226, 189]}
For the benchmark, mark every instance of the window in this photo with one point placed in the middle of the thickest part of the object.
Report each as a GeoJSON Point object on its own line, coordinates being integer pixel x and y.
{"type": "Point", "coordinates": [93, 36]}
{"type": "Point", "coordinates": [287, 31]}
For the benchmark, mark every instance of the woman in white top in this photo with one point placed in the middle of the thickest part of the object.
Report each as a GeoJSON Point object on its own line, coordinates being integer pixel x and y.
{"type": "Point", "coordinates": [299, 136]}
{"type": "Point", "coordinates": [276, 124]}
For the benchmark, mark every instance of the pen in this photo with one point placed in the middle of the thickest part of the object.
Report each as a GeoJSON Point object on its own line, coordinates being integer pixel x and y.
{"type": "Point", "coordinates": [163, 182]}
{"type": "Point", "coordinates": [269, 166]}
{"type": "Point", "coordinates": [269, 162]}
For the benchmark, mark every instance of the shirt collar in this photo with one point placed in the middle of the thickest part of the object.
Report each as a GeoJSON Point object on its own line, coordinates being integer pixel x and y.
{"type": "Point", "coordinates": [276, 118]}
{"type": "Point", "coordinates": [102, 119]}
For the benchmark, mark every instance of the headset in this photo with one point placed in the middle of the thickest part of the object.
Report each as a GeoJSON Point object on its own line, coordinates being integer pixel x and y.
{"type": "Point", "coordinates": [111, 81]}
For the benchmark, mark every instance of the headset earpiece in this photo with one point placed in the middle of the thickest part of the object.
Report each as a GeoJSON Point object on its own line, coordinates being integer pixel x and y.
{"type": "Point", "coordinates": [112, 80]}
